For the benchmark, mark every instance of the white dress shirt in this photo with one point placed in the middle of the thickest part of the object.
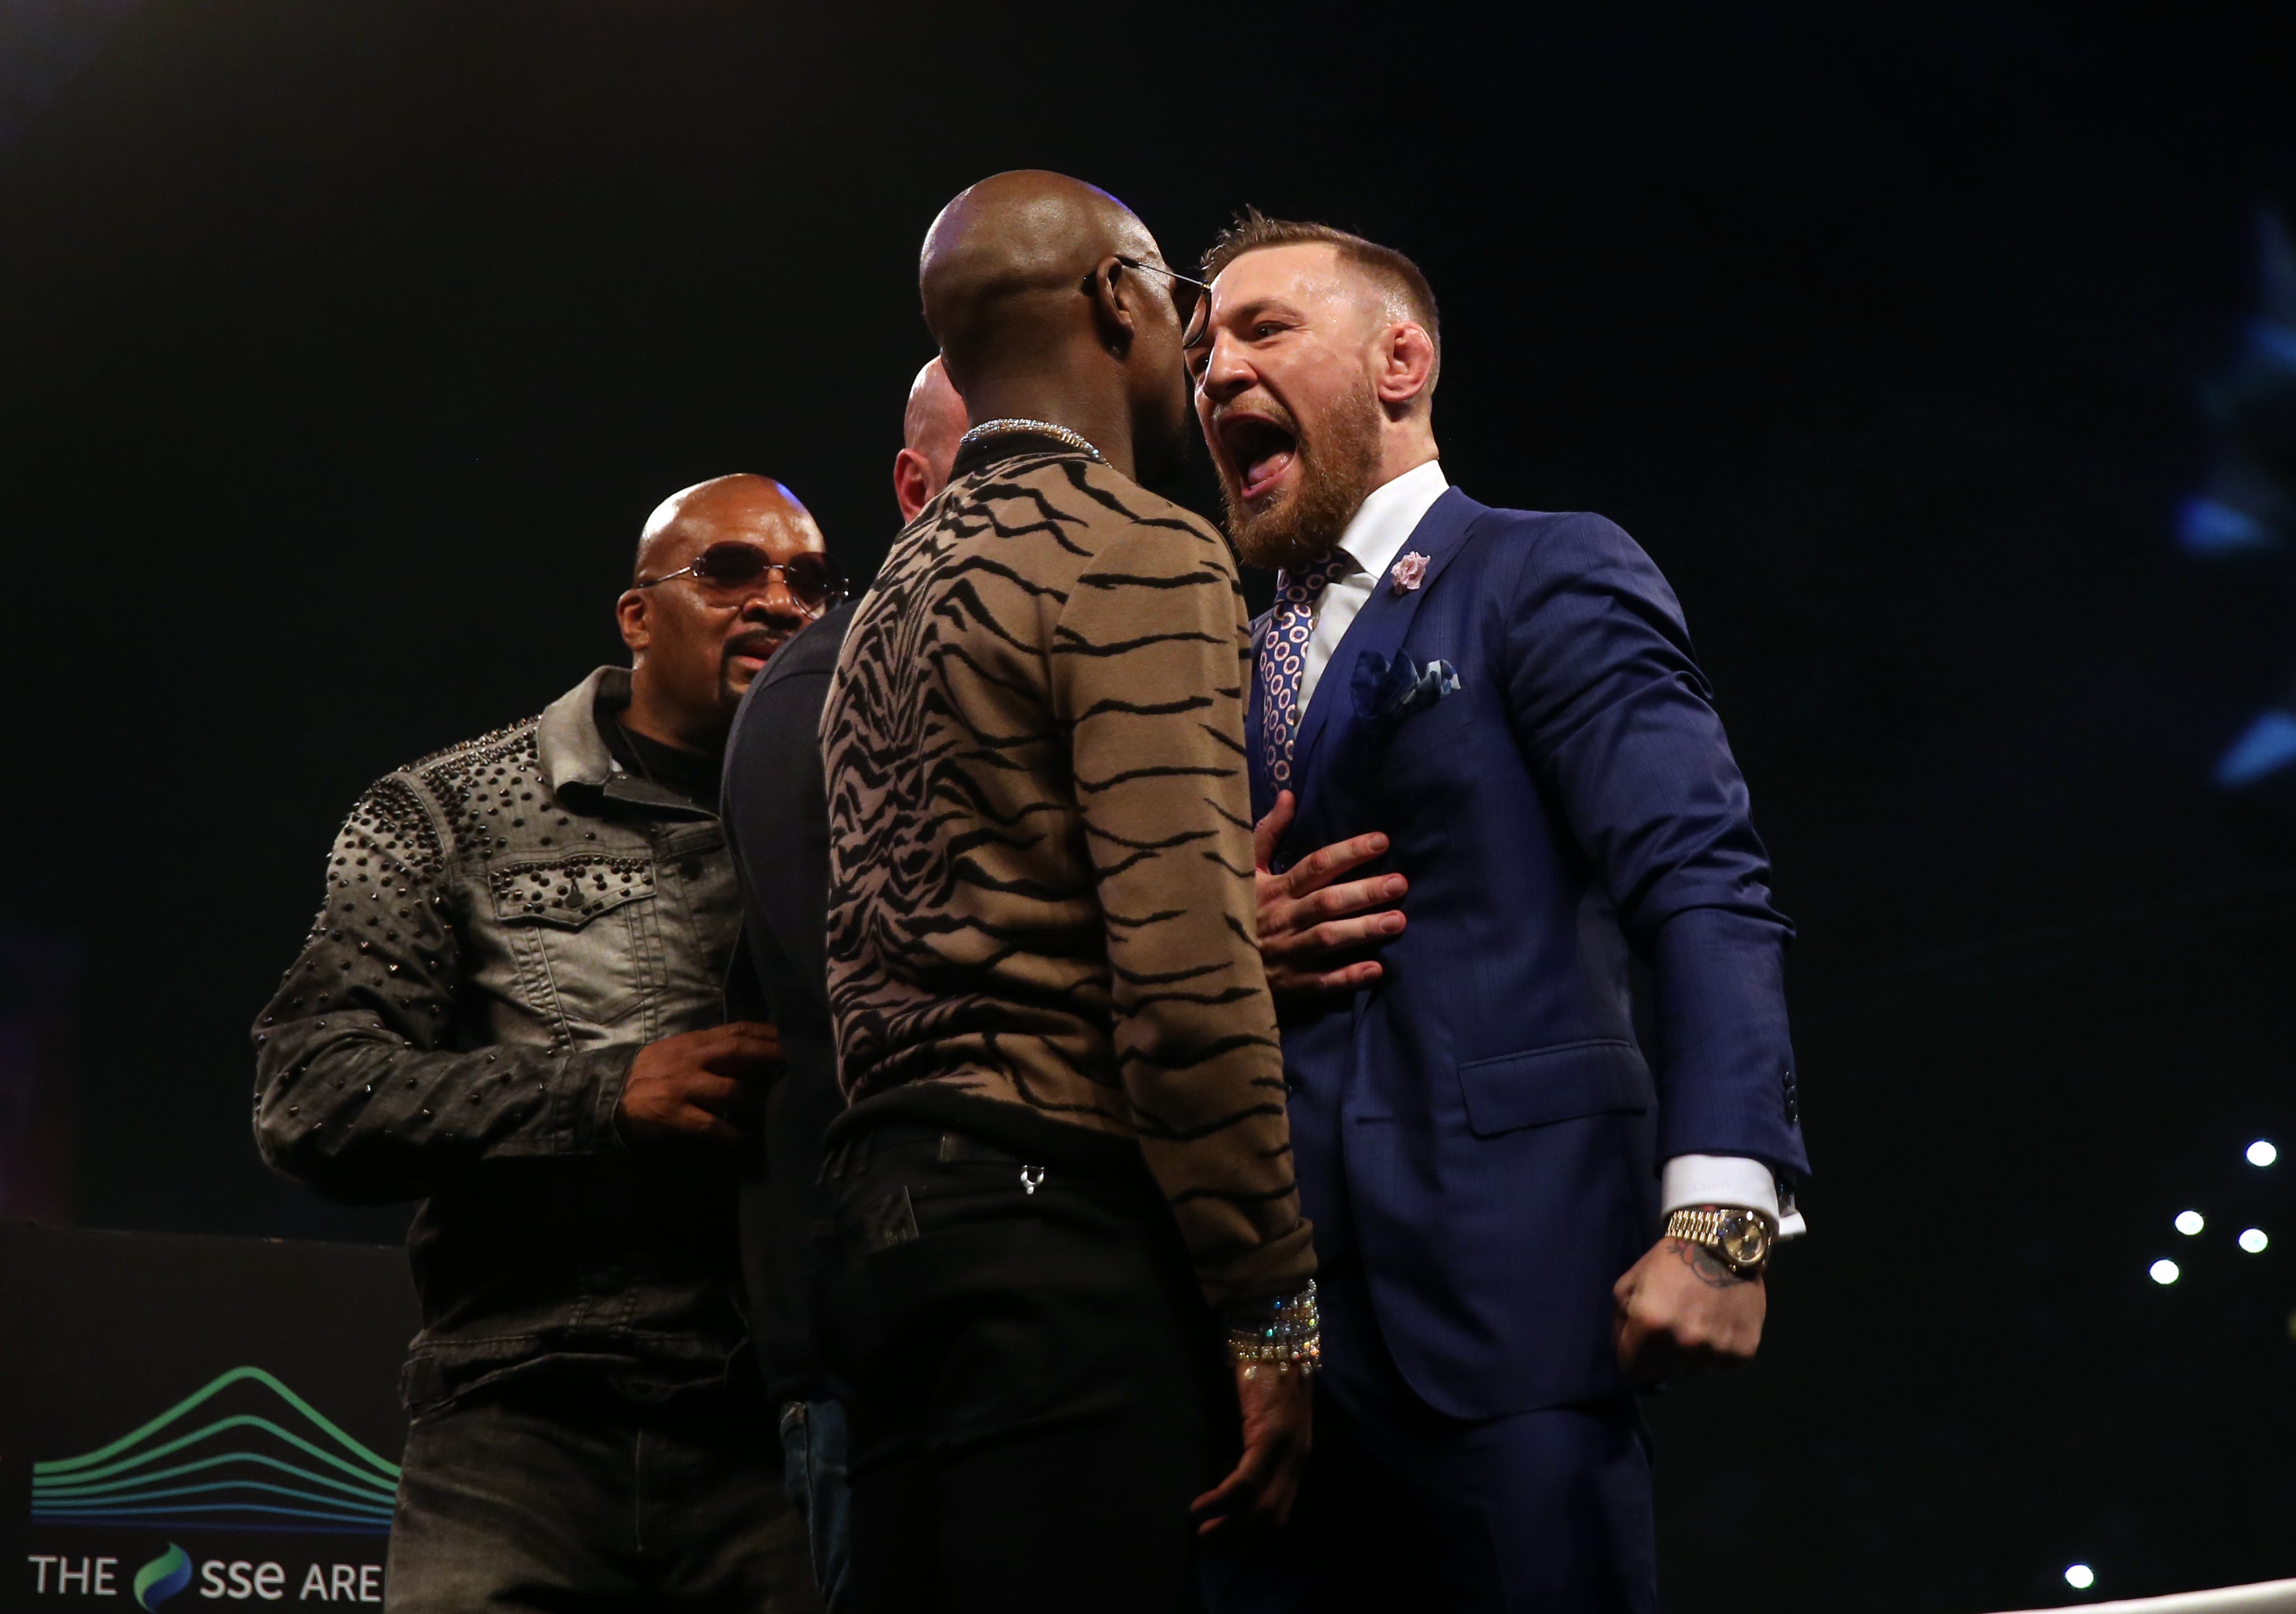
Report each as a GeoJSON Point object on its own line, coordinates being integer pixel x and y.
{"type": "Point", "coordinates": [1374, 541]}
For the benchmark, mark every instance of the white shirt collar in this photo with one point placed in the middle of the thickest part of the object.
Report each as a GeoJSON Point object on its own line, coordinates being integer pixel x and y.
{"type": "Point", "coordinates": [1388, 514]}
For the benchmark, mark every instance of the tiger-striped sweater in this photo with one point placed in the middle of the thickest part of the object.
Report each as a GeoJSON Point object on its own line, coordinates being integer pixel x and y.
{"type": "Point", "coordinates": [1040, 848]}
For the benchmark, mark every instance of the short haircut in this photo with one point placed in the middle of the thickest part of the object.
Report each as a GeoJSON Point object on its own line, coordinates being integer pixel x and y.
{"type": "Point", "coordinates": [1395, 274]}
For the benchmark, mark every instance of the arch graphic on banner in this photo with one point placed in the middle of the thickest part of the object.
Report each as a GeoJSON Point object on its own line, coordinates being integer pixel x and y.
{"type": "Point", "coordinates": [351, 1489]}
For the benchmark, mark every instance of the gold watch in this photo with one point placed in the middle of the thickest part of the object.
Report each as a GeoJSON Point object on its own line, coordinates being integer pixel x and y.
{"type": "Point", "coordinates": [1741, 1239]}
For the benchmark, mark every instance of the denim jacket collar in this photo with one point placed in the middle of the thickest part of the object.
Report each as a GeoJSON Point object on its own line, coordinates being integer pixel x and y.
{"type": "Point", "coordinates": [567, 742]}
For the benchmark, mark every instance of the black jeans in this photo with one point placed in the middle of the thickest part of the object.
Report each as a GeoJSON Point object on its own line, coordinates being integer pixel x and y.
{"type": "Point", "coordinates": [1033, 1379]}
{"type": "Point", "coordinates": [557, 1492]}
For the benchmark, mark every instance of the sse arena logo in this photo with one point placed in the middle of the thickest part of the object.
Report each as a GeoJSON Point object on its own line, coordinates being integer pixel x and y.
{"type": "Point", "coordinates": [241, 1476]}
{"type": "Point", "coordinates": [239, 1580]}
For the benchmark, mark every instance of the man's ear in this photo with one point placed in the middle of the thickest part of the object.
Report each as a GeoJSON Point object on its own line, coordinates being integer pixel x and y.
{"type": "Point", "coordinates": [912, 484]}
{"type": "Point", "coordinates": [1406, 361]}
{"type": "Point", "coordinates": [1115, 306]}
{"type": "Point", "coordinates": [630, 617]}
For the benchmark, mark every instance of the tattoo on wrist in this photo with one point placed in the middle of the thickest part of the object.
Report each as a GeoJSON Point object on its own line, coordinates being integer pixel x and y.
{"type": "Point", "coordinates": [1708, 1267]}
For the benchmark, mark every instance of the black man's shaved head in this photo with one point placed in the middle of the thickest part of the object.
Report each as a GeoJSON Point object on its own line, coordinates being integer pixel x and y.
{"type": "Point", "coordinates": [1003, 263]}
{"type": "Point", "coordinates": [738, 506]}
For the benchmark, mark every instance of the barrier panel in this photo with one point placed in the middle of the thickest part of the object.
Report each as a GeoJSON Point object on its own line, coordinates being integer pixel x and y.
{"type": "Point", "coordinates": [195, 1422]}
{"type": "Point", "coordinates": [2265, 1597]}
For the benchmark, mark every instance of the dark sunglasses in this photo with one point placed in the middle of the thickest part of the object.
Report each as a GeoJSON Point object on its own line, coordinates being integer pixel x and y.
{"type": "Point", "coordinates": [1194, 305]}
{"type": "Point", "coordinates": [733, 568]}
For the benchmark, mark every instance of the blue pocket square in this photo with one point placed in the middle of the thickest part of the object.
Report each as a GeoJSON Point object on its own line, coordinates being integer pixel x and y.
{"type": "Point", "coordinates": [1387, 689]}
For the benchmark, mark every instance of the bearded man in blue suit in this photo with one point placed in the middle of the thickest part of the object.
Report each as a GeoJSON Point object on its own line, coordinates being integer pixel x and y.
{"type": "Point", "coordinates": [1521, 1219]}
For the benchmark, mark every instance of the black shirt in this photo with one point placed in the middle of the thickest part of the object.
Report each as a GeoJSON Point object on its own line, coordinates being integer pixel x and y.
{"type": "Point", "coordinates": [690, 774]}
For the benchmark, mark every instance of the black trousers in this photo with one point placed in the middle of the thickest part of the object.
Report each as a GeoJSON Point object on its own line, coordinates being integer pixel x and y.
{"type": "Point", "coordinates": [1034, 1382]}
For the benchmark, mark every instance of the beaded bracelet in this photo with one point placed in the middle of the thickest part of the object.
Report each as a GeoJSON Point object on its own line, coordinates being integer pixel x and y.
{"type": "Point", "coordinates": [1290, 1334]}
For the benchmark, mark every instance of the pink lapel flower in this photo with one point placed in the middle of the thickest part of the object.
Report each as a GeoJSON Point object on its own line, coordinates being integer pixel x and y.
{"type": "Point", "coordinates": [1408, 574]}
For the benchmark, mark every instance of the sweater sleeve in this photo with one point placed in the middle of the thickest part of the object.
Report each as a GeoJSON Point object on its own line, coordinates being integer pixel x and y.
{"type": "Point", "coordinates": [358, 1093]}
{"type": "Point", "coordinates": [1148, 685]}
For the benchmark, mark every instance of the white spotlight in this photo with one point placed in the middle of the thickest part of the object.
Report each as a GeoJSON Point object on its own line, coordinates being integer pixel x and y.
{"type": "Point", "coordinates": [2252, 1240]}
{"type": "Point", "coordinates": [2165, 1272]}
{"type": "Point", "coordinates": [2190, 1222]}
{"type": "Point", "coordinates": [2079, 1576]}
{"type": "Point", "coordinates": [2262, 1153]}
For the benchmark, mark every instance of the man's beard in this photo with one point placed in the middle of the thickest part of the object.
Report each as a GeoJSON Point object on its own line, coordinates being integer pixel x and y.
{"type": "Point", "coordinates": [1336, 469]}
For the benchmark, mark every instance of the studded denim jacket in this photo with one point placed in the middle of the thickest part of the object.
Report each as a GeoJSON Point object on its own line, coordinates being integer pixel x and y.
{"type": "Point", "coordinates": [506, 922]}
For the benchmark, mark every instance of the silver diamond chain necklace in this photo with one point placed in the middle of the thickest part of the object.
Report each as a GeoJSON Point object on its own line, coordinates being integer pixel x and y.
{"type": "Point", "coordinates": [1058, 434]}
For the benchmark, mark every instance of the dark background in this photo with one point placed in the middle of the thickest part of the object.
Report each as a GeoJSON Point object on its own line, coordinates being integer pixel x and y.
{"type": "Point", "coordinates": [344, 345]}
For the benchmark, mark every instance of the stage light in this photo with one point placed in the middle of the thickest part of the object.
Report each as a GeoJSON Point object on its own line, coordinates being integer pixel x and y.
{"type": "Point", "coordinates": [2079, 1576]}
{"type": "Point", "coordinates": [2190, 1222]}
{"type": "Point", "coordinates": [2268, 743]}
{"type": "Point", "coordinates": [2252, 1240]}
{"type": "Point", "coordinates": [2165, 1272]}
{"type": "Point", "coordinates": [2262, 1153]}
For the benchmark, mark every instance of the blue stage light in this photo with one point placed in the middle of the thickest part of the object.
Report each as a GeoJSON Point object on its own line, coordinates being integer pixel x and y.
{"type": "Point", "coordinates": [2262, 1153]}
{"type": "Point", "coordinates": [2165, 1272]}
{"type": "Point", "coordinates": [2079, 1576]}
{"type": "Point", "coordinates": [2190, 1222]}
{"type": "Point", "coordinates": [2266, 746]}
{"type": "Point", "coordinates": [2253, 1240]}
{"type": "Point", "coordinates": [2211, 526]}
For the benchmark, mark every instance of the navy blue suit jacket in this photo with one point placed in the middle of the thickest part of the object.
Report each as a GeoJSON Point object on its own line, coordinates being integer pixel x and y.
{"type": "Point", "coordinates": [1479, 1131]}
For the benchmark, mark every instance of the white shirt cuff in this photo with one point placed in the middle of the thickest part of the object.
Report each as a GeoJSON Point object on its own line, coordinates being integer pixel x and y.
{"type": "Point", "coordinates": [1728, 1179]}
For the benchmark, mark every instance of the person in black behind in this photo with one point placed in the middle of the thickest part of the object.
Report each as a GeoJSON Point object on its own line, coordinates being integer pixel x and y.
{"type": "Point", "coordinates": [776, 811]}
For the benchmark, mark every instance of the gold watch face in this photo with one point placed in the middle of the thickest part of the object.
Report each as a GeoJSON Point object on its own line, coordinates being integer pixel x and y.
{"type": "Point", "coordinates": [1744, 1239]}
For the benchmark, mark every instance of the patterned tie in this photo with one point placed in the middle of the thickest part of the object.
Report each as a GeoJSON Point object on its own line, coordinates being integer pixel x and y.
{"type": "Point", "coordinates": [1284, 656]}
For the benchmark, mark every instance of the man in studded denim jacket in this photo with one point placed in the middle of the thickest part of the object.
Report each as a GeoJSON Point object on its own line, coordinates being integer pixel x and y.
{"type": "Point", "coordinates": [512, 1006]}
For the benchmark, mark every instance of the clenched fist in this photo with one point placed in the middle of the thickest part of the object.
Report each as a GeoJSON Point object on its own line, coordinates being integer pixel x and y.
{"type": "Point", "coordinates": [1679, 1306]}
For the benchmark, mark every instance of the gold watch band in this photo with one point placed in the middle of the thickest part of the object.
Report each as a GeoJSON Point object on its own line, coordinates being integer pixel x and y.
{"type": "Point", "coordinates": [1707, 1225]}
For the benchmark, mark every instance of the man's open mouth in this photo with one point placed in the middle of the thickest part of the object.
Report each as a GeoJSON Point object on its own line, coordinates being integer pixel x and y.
{"type": "Point", "coordinates": [1259, 449]}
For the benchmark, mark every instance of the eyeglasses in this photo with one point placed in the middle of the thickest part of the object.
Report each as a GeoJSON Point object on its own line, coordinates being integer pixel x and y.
{"type": "Point", "coordinates": [731, 572]}
{"type": "Point", "coordinates": [1194, 317]}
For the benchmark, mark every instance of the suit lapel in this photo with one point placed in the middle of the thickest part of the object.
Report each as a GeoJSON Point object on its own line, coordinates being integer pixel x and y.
{"type": "Point", "coordinates": [1379, 626]}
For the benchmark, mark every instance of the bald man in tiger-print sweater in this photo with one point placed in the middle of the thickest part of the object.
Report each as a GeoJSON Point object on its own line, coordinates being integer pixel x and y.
{"type": "Point", "coordinates": [1066, 1128]}
{"type": "Point", "coordinates": [1040, 847]}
